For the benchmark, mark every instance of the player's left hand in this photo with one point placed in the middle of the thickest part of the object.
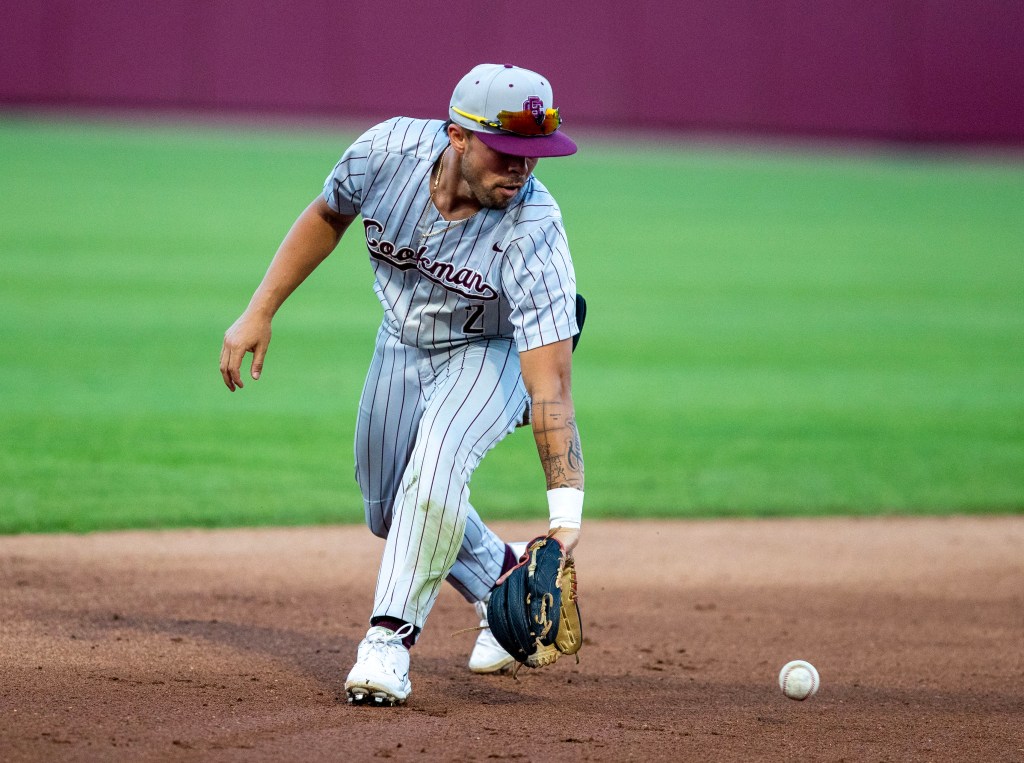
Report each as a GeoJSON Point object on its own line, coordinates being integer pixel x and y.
{"type": "Point", "coordinates": [569, 537]}
{"type": "Point", "coordinates": [533, 611]}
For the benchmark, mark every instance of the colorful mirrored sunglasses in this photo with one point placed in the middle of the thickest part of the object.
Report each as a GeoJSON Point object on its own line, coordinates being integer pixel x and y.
{"type": "Point", "coordinates": [519, 122]}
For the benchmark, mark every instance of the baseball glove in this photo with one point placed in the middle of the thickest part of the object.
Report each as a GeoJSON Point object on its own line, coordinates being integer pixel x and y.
{"type": "Point", "coordinates": [533, 612]}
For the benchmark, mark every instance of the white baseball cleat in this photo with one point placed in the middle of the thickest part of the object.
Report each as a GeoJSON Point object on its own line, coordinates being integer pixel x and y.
{"type": "Point", "coordinates": [381, 673]}
{"type": "Point", "coordinates": [488, 656]}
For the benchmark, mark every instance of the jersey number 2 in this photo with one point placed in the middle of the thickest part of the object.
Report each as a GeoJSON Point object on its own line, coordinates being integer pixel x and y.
{"type": "Point", "coordinates": [474, 323]}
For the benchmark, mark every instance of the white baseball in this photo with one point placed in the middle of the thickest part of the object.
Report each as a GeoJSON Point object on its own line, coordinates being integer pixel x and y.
{"type": "Point", "coordinates": [799, 679]}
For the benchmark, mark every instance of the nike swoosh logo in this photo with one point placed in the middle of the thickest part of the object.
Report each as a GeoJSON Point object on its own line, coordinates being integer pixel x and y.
{"type": "Point", "coordinates": [497, 248]}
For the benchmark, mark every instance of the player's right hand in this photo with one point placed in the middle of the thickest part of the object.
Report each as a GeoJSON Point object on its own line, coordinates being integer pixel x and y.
{"type": "Point", "coordinates": [250, 333]}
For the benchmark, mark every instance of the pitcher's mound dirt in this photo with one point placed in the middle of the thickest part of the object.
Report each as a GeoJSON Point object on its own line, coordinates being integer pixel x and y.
{"type": "Point", "coordinates": [233, 645]}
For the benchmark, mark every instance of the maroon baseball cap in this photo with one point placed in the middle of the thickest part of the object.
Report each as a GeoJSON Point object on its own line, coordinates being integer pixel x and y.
{"type": "Point", "coordinates": [509, 109]}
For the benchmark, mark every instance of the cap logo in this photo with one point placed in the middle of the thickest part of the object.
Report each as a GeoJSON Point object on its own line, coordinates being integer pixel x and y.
{"type": "Point", "coordinates": [535, 106]}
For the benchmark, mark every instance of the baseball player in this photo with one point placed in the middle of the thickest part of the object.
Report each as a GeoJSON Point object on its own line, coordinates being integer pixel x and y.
{"type": "Point", "coordinates": [473, 272]}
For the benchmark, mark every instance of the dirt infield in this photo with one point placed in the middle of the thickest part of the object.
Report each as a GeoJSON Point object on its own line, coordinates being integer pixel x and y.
{"type": "Point", "coordinates": [232, 645]}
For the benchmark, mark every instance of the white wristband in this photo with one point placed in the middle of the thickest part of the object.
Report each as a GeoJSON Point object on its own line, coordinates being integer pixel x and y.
{"type": "Point", "coordinates": [565, 507]}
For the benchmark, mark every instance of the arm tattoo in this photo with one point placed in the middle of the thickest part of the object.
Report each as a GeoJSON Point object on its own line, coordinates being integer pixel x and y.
{"type": "Point", "coordinates": [575, 454]}
{"type": "Point", "coordinates": [558, 444]}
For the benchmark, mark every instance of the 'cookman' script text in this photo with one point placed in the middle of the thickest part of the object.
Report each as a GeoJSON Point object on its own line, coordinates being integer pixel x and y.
{"type": "Point", "coordinates": [464, 281]}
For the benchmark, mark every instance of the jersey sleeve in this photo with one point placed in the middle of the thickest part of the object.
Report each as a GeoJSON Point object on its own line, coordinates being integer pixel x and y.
{"type": "Point", "coordinates": [343, 188]}
{"type": "Point", "coordinates": [540, 283]}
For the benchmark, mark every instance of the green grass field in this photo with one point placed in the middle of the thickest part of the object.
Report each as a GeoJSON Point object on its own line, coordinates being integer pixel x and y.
{"type": "Point", "coordinates": [768, 334]}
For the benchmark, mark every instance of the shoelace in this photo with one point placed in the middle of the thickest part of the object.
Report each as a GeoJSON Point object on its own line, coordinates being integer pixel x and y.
{"type": "Point", "coordinates": [381, 637]}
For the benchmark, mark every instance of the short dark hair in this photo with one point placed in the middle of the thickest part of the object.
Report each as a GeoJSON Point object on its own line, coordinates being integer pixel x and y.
{"type": "Point", "coordinates": [449, 122]}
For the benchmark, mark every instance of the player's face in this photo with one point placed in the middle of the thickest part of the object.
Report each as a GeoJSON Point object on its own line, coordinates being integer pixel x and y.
{"type": "Point", "coordinates": [493, 178]}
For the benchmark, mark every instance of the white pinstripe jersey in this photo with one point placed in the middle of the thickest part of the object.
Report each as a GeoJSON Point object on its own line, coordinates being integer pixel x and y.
{"type": "Point", "coordinates": [500, 273]}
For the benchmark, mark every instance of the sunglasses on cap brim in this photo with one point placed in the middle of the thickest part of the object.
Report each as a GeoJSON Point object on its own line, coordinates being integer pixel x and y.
{"type": "Point", "coordinates": [523, 122]}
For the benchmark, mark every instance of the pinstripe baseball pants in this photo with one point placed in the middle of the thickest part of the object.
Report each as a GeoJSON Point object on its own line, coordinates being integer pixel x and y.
{"type": "Point", "coordinates": [426, 419]}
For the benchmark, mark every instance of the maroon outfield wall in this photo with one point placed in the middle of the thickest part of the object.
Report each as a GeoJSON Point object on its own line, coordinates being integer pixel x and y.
{"type": "Point", "coordinates": [912, 70]}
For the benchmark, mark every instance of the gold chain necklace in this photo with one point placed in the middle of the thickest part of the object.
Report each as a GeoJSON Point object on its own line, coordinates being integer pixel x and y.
{"type": "Point", "coordinates": [433, 190]}
{"type": "Point", "coordinates": [440, 169]}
